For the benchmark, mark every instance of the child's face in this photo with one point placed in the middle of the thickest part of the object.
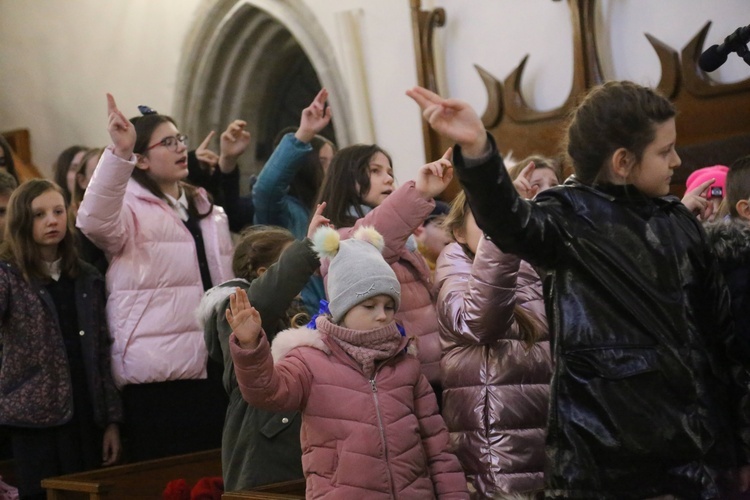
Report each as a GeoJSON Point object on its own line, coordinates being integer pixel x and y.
{"type": "Point", "coordinates": [653, 175]}
{"type": "Point", "coordinates": [48, 210]}
{"type": "Point", "coordinates": [70, 176]}
{"type": "Point", "coordinates": [325, 155]}
{"type": "Point", "coordinates": [433, 239]}
{"type": "Point", "coordinates": [543, 179]}
{"type": "Point", "coordinates": [375, 312]}
{"type": "Point", "coordinates": [165, 165]}
{"type": "Point", "coordinates": [83, 179]}
{"type": "Point", "coordinates": [381, 180]}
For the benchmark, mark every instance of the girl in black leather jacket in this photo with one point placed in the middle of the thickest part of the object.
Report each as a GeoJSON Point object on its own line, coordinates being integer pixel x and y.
{"type": "Point", "coordinates": [646, 395]}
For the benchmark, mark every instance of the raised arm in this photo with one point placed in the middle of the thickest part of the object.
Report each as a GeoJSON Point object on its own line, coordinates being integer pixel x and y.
{"type": "Point", "coordinates": [280, 169]}
{"type": "Point", "coordinates": [476, 306]}
{"type": "Point", "coordinates": [100, 216]}
{"type": "Point", "coordinates": [272, 292]}
{"type": "Point", "coordinates": [534, 231]}
{"type": "Point", "coordinates": [280, 387]}
{"type": "Point", "coordinates": [232, 143]}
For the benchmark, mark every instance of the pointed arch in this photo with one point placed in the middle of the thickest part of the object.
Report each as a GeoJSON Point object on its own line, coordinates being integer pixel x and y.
{"type": "Point", "coordinates": [236, 63]}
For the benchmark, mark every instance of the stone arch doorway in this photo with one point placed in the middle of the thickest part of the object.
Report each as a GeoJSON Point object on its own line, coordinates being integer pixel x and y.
{"type": "Point", "coordinates": [259, 60]}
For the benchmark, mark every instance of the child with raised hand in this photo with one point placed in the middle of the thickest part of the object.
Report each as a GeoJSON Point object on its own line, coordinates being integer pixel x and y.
{"type": "Point", "coordinates": [370, 422]}
{"type": "Point", "coordinates": [359, 189]}
{"type": "Point", "coordinates": [496, 364]}
{"type": "Point", "coordinates": [642, 396]}
{"type": "Point", "coordinates": [166, 244]}
{"type": "Point", "coordinates": [219, 174]}
{"type": "Point", "coordinates": [59, 402]}
{"type": "Point", "coordinates": [258, 446]}
{"type": "Point", "coordinates": [730, 239]}
{"type": "Point", "coordinates": [287, 187]}
{"type": "Point", "coordinates": [705, 189]}
{"type": "Point", "coordinates": [535, 174]}
{"type": "Point", "coordinates": [274, 203]}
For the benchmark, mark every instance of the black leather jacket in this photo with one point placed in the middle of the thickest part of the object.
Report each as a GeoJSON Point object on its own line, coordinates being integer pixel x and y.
{"type": "Point", "coordinates": [640, 402]}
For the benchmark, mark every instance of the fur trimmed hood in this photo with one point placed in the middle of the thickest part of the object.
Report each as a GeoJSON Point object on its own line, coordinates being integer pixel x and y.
{"type": "Point", "coordinates": [213, 300]}
{"type": "Point", "coordinates": [292, 338]}
{"type": "Point", "coordinates": [730, 241]}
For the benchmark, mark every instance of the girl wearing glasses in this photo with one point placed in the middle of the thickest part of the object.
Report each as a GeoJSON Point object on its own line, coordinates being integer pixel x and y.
{"type": "Point", "coordinates": [166, 244]}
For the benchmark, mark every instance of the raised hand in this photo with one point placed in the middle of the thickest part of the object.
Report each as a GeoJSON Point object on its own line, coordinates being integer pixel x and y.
{"type": "Point", "coordinates": [314, 118]}
{"type": "Point", "coordinates": [453, 119]}
{"type": "Point", "coordinates": [433, 178]}
{"type": "Point", "coordinates": [695, 200]}
{"type": "Point", "coordinates": [317, 220]}
{"type": "Point", "coordinates": [523, 182]}
{"type": "Point", "coordinates": [244, 319]}
{"type": "Point", "coordinates": [233, 142]}
{"type": "Point", "coordinates": [121, 131]}
{"type": "Point", "coordinates": [209, 160]}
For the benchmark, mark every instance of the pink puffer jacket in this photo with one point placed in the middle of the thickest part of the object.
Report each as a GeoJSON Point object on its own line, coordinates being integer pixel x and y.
{"type": "Point", "coordinates": [495, 389]}
{"type": "Point", "coordinates": [153, 279]}
{"type": "Point", "coordinates": [396, 219]}
{"type": "Point", "coordinates": [375, 439]}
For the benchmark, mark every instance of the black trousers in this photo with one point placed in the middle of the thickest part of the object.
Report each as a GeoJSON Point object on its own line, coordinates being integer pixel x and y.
{"type": "Point", "coordinates": [172, 418]}
{"type": "Point", "coordinates": [53, 451]}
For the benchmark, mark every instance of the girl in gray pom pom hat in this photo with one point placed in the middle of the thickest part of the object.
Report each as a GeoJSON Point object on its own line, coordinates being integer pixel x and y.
{"type": "Point", "coordinates": [370, 421]}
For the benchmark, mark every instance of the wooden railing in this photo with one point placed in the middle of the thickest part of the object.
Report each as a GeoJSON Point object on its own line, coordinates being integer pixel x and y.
{"type": "Point", "coordinates": [138, 480]}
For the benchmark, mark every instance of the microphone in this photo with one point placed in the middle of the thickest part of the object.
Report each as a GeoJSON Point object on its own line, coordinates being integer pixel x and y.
{"type": "Point", "coordinates": [716, 55]}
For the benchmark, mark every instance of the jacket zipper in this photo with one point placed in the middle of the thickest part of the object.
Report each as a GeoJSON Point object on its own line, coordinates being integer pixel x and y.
{"type": "Point", "coordinates": [382, 433]}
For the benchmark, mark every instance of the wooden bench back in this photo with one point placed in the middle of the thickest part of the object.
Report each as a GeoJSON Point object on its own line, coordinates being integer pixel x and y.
{"type": "Point", "coordinates": [138, 480]}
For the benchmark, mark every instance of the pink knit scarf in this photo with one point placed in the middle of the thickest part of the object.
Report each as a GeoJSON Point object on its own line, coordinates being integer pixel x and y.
{"type": "Point", "coordinates": [365, 346]}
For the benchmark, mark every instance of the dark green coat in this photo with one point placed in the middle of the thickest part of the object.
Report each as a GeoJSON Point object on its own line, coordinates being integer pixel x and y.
{"type": "Point", "coordinates": [258, 447]}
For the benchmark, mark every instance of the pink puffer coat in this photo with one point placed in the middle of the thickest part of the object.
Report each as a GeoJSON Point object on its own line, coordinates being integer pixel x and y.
{"type": "Point", "coordinates": [375, 439]}
{"type": "Point", "coordinates": [396, 219]}
{"type": "Point", "coordinates": [153, 279]}
{"type": "Point", "coordinates": [495, 389]}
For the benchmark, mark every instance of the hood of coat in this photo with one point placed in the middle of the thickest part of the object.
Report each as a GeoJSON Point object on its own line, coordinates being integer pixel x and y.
{"type": "Point", "coordinates": [730, 241]}
{"type": "Point", "coordinates": [213, 301]}
{"type": "Point", "coordinates": [287, 340]}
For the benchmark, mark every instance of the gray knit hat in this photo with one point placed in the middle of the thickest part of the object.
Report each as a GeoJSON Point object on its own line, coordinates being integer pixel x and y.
{"type": "Point", "coordinates": [357, 270]}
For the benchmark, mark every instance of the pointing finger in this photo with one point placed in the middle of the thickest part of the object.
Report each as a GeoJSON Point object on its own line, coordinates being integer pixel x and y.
{"type": "Point", "coordinates": [528, 170]}
{"type": "Point", "coordinates": [448, 155]}
{"type": "Point", "coordinates": [207, 140]}
{"type": "Point", "coordinates": [702, 188]}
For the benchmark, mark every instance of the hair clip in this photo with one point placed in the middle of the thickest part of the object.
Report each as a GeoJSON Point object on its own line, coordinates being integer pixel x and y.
{"type": "Point", "coordinates": [323, 310]}
{"type": "Point", "coordinates": [145, 110]}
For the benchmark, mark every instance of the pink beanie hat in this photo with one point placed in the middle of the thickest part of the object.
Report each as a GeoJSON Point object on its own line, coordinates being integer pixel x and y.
{"type": "Point", "coordinates": [718, 188]}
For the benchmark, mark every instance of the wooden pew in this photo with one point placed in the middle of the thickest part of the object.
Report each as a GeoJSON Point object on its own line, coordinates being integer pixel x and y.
{"type": "Point", "coordinates": [278, 491]}
{"type": "Point", "coordinates": [137, 480]}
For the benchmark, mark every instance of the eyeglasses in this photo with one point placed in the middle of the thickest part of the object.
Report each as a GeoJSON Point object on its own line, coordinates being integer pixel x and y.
{"type": "Point", "coordinates": [171, 142]}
